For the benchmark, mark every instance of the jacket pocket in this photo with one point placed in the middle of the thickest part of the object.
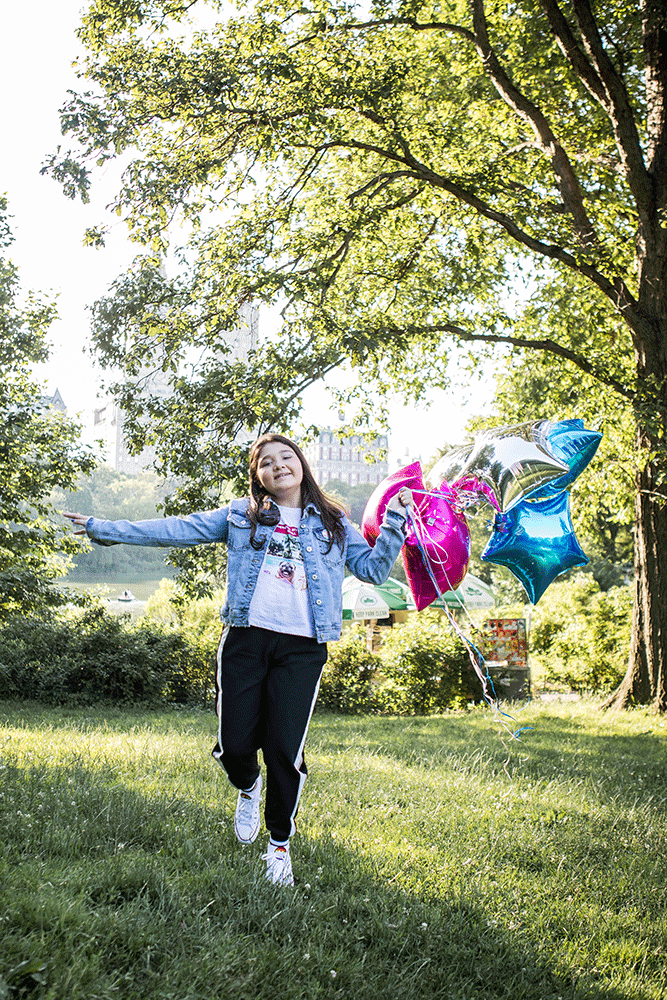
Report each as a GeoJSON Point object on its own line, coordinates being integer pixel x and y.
{"type": "Point", "coordinates": [330, 554]}
{"type": "Point", "coordinates": [239, 531]}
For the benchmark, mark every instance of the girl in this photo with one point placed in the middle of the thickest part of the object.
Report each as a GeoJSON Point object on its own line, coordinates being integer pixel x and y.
{"type": "Point", "coordinates": [288, 545]}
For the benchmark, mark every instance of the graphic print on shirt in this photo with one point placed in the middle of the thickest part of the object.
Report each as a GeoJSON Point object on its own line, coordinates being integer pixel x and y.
{"type": "Point", "coordinates": [284, 560]}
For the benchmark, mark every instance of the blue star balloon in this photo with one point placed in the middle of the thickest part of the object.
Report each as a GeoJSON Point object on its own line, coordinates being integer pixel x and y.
{"type": "Point", "coordinates": [536, 541]}
{"type": "Point", "coordinates": [572, 444]}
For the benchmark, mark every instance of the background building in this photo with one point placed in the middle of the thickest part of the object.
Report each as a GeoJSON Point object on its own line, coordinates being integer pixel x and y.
{"type": "Point", "coordinates": [109, 419]}
{"type": "Point", "coordinates": [108, 423]}
{"type": "Point", "coordinates": [352, 460]}
{"type": "Point", "coordinates": [54, 402]}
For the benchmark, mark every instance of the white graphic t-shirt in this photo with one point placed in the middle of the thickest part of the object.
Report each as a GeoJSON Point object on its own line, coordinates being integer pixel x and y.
{"type": "Point", "coordinates": [280, 601]}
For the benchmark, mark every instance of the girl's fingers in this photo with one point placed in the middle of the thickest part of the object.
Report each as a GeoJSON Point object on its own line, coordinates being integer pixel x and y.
{"type": "Point", "coordinates": [78, 519]}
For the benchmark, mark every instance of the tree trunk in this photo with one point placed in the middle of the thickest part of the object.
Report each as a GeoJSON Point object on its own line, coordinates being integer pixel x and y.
{"type": "Point", "coordinates": [644, 682]}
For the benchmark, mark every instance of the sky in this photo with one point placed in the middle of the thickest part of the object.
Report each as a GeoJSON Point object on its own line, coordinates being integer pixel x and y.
{"type": "Point", "coordinates": [35, 74]}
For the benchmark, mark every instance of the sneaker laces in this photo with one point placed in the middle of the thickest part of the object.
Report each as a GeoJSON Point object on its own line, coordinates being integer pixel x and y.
{"type": "Point", "coordinates": [246, 817]}
{"type": "Point", "coordinates": [279, 865]}
{"type": "Point", "coordinates": [246, 807]}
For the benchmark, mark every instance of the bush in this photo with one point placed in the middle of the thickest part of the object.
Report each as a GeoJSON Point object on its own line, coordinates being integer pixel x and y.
{"type": "Point", "coordinates": [99, 657]}
{"type": "Point", "coordinates": [427, 668]}
{"type": "Point", "coordinates": [580, 635]}
{"type": "Point", "coordinates": [346, 685]}
{"type": "Point", "coordinates": [198, 620]}
{"type": "Point", "coordinates": [422, 668]}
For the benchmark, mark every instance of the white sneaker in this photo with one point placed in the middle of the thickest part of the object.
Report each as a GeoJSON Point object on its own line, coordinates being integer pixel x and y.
{"type": "Point", "coordinates": [246, 818]}
{"type": "Point", "coordinates": [278, 864]}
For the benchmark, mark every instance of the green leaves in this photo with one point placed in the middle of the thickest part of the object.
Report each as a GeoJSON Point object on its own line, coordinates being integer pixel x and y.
{"type": "Point", "coordinates": [39, 449]}
{"type": "Point", "coordinates": [327, 143]}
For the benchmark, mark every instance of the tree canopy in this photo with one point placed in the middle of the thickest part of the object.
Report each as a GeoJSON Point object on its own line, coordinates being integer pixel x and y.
{"type": "Point", "coordinates": [397, 176]}
{"type": "Point", "coordinates": [39, 449]}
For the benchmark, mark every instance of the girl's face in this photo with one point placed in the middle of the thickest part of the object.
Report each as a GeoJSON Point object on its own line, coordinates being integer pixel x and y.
{"type": "Point", "coordinates": [280, 473]}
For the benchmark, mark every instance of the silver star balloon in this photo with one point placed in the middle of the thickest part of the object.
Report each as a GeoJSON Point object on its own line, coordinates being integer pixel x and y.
{"type": "Point", "coordinates": [505, 464]}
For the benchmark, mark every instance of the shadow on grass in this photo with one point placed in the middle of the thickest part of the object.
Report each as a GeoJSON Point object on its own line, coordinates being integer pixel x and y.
{"type": "Point", "coordinates": [149, 896]}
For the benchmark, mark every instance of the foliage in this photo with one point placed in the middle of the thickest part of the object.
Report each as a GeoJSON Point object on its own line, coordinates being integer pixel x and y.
{"type": "Point", "coordinates": [197, 620]}
{"type": "Point", "coordinates": [580, 635]}
{"type": "Point", "coordinates": [95, 657]}
{"type": "Point", "coordinates": [427, 666]}
{"type": "Point", "coordinates": [602, 498]}
{"type": "Point", "coordinates": [394, 177]}
{"type": "Point", "coordinates": [39, 449]}
{"type": "Point", "coordinates": [420, 668]}
{"type": "Point", "coordinates": [385, 175]}
{"type": "Point", "coordinates": [116, 496]}
{"type": "Point", "coordinates": [354, 497]}
{"type": "Point", "coordinates": [347, 680]}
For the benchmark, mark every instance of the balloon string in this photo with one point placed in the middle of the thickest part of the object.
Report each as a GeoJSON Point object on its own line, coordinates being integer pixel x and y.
{"type": "Point", "coordinates": [459, 497]}
{"type": "Point", "coordinates": [475, 655]}
{"type": "Point", "coordinates": [476, 663]}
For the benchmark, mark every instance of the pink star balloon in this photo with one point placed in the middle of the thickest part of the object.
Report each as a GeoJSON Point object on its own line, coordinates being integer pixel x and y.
{"type": "Point", "coordinates": [437, 545]}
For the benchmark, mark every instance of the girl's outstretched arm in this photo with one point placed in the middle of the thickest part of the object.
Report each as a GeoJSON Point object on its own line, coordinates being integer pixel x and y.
{"type": "Point", "coordinates": [192, 529]}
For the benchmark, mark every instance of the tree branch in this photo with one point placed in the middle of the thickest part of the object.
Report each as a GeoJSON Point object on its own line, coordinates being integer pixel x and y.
{"type": "Point", "coordinates": [566, 179]}
{"type": "Point", "coordinates": [654, 24]}
{"type": "Point", "coordinates": [414, 24]}
{"type": "Point", "coordinates": [617, 291]}
{"type": "Point", "coordinates": [391, 22]}
{"type": "Point", "coordinates": [378, 184]}
{"type": "Point", "coordinates": [617, 106]}
{"type": "Point", "coordinates": [569, 46]}
{"type": "Point", "coordinates": [549, 346]}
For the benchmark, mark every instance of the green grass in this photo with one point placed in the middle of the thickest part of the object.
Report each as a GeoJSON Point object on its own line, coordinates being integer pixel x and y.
{"type": "Point", "coordinates": [434, 861]}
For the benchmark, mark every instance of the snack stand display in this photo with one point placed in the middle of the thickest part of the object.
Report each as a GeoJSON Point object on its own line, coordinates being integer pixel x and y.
{"type": "Point", "coordinates": [505, 649]}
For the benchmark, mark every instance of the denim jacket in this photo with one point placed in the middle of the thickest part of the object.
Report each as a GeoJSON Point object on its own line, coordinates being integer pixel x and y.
{"type": "Point", "coordinates": [324, 567]}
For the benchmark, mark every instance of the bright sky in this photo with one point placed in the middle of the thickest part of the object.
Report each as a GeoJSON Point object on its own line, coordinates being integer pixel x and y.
{"type": "Point", "coordinates": [35, 74]}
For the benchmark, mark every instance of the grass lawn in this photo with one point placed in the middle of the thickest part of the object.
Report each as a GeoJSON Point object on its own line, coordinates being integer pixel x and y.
{"type": "Point", "coordinates": [433, 861]}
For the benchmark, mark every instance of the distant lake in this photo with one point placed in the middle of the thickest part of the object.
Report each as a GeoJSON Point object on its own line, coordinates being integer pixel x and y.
{"type": "Point", "coordinates": [110, 589]}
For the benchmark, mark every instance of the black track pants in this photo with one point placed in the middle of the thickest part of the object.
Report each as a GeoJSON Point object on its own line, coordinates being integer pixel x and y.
{"type": "Point", "coordinates": [267, 685]}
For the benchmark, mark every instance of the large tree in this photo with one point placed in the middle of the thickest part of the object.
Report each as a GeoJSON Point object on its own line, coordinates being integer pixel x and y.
{"type": "Point", "coordinates": [398, 176]}
{"type": "Point", "coordinates": [39, 449]}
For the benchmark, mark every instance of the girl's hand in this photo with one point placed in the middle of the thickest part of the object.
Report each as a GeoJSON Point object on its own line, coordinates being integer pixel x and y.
{"type": "Point", "coordinates": [401, 500]}
{"type": "Point", "coordinates": [77, 519]}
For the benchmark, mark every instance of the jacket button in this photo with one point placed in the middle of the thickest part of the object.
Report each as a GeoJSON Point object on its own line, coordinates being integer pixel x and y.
{"type": "Point", "coordinates": [309, 548]}
{"type": "Point", "coordinates": [314, 576]}
{"type": "Point", "coordinates": [318, 601]}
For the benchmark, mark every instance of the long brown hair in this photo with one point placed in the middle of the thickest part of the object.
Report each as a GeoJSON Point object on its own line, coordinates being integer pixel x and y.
{"type": "Point", "coordinates": [259, 510]}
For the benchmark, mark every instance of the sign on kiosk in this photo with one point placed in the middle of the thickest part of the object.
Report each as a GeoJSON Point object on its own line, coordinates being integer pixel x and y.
{"type": "Point", "coordinates": [506, 654]}
{"type": "Point", "coordinates": [505, 641]}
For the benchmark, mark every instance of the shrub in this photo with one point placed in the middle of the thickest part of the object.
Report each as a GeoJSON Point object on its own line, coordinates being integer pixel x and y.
{"type": "Point", "coordinates": [99, 657]}
{"type": "Point", "coordinates": [580, 635]}
{"type": "Point", "coordinates": [197, 619]}
{"type": "Point", "coordinates": [346, 685]}
{"type": "Point", "coordinates": [427, 668]}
